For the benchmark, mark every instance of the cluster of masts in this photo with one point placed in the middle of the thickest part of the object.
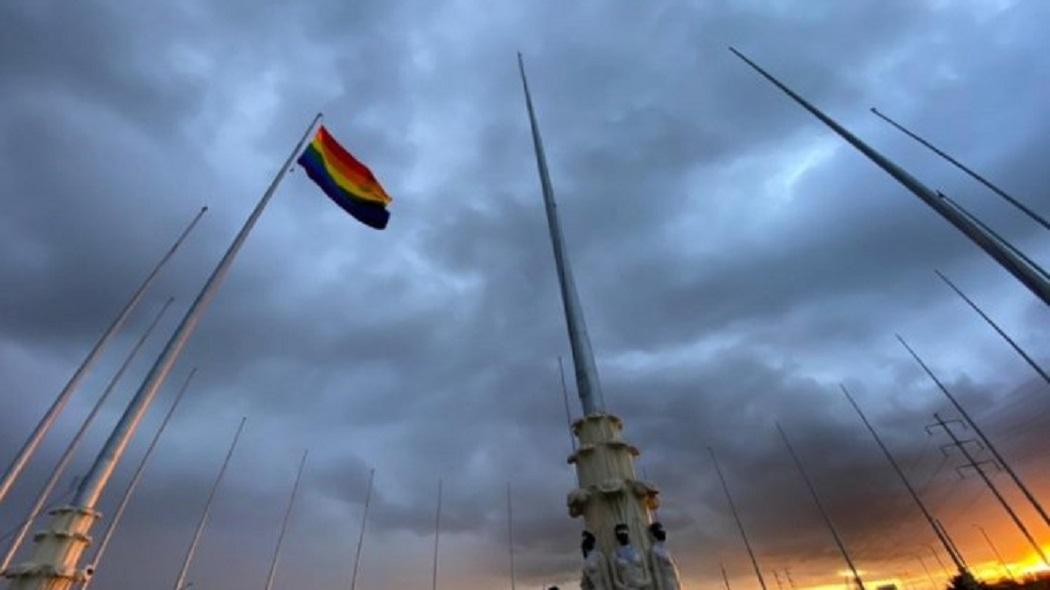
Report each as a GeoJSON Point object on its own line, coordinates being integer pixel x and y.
{"type": "Point", "coordinates": [60, 548]}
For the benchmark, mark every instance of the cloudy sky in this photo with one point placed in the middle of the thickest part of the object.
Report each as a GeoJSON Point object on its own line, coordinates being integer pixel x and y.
{"type": "Point", "coordinates": [736, 261]}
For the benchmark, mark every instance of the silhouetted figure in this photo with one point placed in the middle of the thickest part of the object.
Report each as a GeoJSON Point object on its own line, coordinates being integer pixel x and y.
{"type": "Point", "coordinates": [665, 570]}
{"type": "Point", "coordinates": [595, 574]}
{"type": "Point", "coordinates": [629, 571]}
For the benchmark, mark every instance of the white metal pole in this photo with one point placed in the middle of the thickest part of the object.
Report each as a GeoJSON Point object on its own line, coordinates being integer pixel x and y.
{"type": "Point", "coordinates": [48, 420]}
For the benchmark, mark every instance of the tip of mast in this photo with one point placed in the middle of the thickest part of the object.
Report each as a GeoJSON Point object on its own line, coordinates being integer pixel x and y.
{"type": "Point", "coordinates": [874, 110]}
{"type": "Point", "coordinates": [204, 208]}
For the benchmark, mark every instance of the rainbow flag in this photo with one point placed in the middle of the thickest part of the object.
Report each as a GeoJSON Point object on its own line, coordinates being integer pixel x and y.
{"type": "Point", "coordinates": [345, 180]}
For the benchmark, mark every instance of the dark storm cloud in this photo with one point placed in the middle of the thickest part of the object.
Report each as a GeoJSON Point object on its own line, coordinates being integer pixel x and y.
{"type": "Point", "coordinates": [736, 262]}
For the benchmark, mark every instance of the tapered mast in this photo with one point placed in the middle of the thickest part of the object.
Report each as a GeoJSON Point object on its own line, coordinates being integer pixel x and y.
{"type": "Point", "coordinates": [1037, 282]}
{"type": "Point", "coordinates": [437, 539]}
{"type": "Point", "coordinates": [904, 480]}
{"type": "Point", "coordinates": [1016, 203]}
{"type": "Point", "coordinates": [510, 536]}
{"type": "Point", "coordinates": [933, 583]}
{"type": "Point", "coordinates": [725, 577]}
{"type": "Point", "coordinates": [957, 555]}
{"type": "Point", "coordinates": [1017, 348]}
{"type": "Point", "coordinates": [980, 433]}
{"type": "Point", "coordinates": [995, 551]}
{"type": "Point", "coordinates": [587, 384]}
{"type": "Point", "coordinates": [180, 579]}
{"type": "Point", "coordinates": [361, 536]}
{"type": "Point", "coordinates": [736, 517]}
{"type": "Point", "coordinates": [67, 537]}
{"type": "Point", "coordinates": [284, 524]}
{"type": "Point", "coordinates": [820, 508]}
{"type": "Point", "coordinates": [74, 443]}
{"type": "Point", "coordinates": [565, 398]}
{"type": "Point", "coordinates": [130, 490]}
{"type": "Point", "coordinates": [48, 420]}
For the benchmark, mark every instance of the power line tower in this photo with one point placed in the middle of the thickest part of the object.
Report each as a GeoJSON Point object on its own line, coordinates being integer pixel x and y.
{"type": "Point", "coordinates": [978, 466]}
{"type": "Point", "coordinates": [980, 434]}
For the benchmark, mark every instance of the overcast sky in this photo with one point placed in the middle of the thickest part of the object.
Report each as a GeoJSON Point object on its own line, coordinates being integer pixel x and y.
{"type": "Point", "coordinates": [735, 259]}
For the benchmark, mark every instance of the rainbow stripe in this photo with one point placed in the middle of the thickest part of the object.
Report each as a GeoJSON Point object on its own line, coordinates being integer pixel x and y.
{"type": "Point", "coordinates": [345, 180]}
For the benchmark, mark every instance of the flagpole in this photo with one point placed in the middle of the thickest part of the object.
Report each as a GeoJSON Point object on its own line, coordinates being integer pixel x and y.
{"type": "Point", "coordinates": [72, 527]}
{"type": "Point", "coordinates": [74, 443]}
{"type": "Point", "coordinates": [736, 517]}
{"type": "Point", "coordinates": [48, 420]}
{"type": "Point", "coordinates": [1013, 201]}
{"type": "Point", "coordinates": [820, 508]}
{"type": "Point", "coordinates": [135, 478]}
{"type": "Point", "coordinates": [1036, 282]}
{"type": "Point", "coordinates": [565, 398]}
{"type": "Point", "coordinates": [437, 537]}
{"type": "Point", "coordinates": [510, 536]}
{"type": "Point", "coordinates": [284, 524]}
{"type": "Point", "coordinates": [361, 537]}
{"type": "Point", "coordinates": [1017, 348]}
{"type": "Point", "coordinates": [180, 580]}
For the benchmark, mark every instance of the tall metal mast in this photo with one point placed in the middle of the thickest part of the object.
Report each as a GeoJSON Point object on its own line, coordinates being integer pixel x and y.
{"type": "Point", "coordinates": [1016, 203]}
{"type": "Point", "coordinates": [725, 577]}
{"type": "Point", "coordinates": [904, 479]}
{"type": "Point", "coordinates": [820, 508]}
{"type": "Point", "coordinates": [995, 551]}
{"type": "Point", "coordinates": [437, 539]}
{"type": "Point", "coordinates": [510, 536]}
{"type": "Point", "coordinates": [361, 537]}
{"type": "Point", "coordinates": [180, 580]}
{"type": "Point", "coordinates": [66, 539]}
{"type": "Point", "coordinates": [980, 433]}
{"type": "Point", "coordinates": [736, 517]}
{"type": "Point", "coordinates": [48, 420]}
{"type": "Point", "coordinates": [933, 583]}
{"type": "Point", "coordinates": [565, 398]}
{"type": "Point", "coordinates": [1017, 348]}
{"type": "Point", "coordinates": [74, 443]}
{"type": "Point", "coordinates": [1036, 282]}
{"type": "Point", "coordinates": [284, 524]}
{"type": "Point", "coordinates": [135, 479]}
{"type": "Point", "coordinates": [587, 384]}
{"type": "Point", "coordinates": [978, 466]}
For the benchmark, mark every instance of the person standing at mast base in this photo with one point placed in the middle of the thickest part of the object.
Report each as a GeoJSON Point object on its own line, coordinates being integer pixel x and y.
{"type": "Point", "coordinates": [664, 568]}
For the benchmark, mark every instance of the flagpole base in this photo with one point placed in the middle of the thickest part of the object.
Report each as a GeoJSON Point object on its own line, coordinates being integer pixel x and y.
{"type": "Point", "coordinates": [610, 491]}
{"type": "Point", "coordinates": [53, 565]}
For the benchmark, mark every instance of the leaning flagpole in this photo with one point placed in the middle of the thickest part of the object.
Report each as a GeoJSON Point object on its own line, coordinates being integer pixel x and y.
{"type": "Point", "coordinates": [1017, 348]}
{"type": "Point", "coordinates": [437, 538]}
{"type": "Point", "coordinates": [1016, 203]}
{"type": "Point", "coordinates": [820, 508]}
{"type": "Point", "coordinates": [135, 478]}
{"type": "Point", "coordinates": [1036, 282]}
{"type": "Point", "coordinates": [904, 479]}
{"type": "Point", "coordinates": [48, 420]}
{"type": "Point", "coordinates": [736, 517]}
{"type": "Point", "coordinates": [284, 524]}
{"type": "Point", "coordinates": [67, 536]}
{"type": "Point", "coordinates": [361, 536]}
{"type": "Point", "coordinates": [510, 536]}
{"type": "Point", "coordinates": [74, 443]}
{"type": "Point", "coordinates": [180, 580]}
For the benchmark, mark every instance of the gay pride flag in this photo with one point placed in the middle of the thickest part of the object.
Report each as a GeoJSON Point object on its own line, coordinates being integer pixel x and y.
{"type": "Point", "coordinates": [345, 180]}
